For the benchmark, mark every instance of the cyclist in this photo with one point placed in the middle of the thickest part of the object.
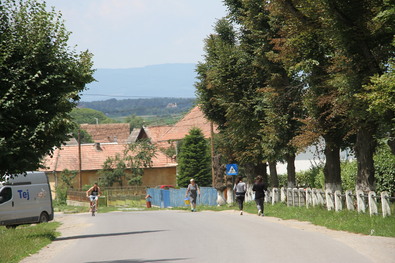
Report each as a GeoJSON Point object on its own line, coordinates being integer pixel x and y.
{"type": "Point", "coordinates": [93, 193]}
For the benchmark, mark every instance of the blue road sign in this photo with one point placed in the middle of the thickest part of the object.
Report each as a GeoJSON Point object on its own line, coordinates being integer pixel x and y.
{"type": "Point", "coordinates": [232, 169]}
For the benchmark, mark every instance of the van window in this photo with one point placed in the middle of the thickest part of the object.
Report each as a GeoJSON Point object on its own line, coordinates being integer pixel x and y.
{"type": "Point", "coordinates": [6, 193]}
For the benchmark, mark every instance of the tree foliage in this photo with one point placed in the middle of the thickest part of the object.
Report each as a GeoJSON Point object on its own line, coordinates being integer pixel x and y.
{"type": "Point", "coordinates": [66, 182]}
{"type": "Point", "coordinates": [324, 64]}
{"type": "Point", "coordinates": [89, 116]}
{"type": "Point", "coordinates": [194, 160]}
{"type": "Point", "coordinates": [40, 79]}
{"type": "Point", "coordinates": [385, 169]}
{"type": "Point", "coordinates": [129, 165]}
{"type": "Point", "coordinates": [113, 171]}
{"type": "Point", "coordinates": [248, 94]}
{"type": "Point", "coordinates": [134, 121]}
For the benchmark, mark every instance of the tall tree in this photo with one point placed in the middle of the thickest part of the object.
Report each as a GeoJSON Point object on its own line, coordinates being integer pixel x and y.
{"type": "Point", "coordinates": [347, 42]}
{"type": "Point", "coordinates": [278, 95]}
{"type": "Point", "coordinates": [194, 160]}
{"type": "Point", "coordinates": [227, 93]}
{"type": "Point", "coordinates": [364, 46]}
{"type": "Point", "coordinates": [40, 79]}
{"type": "Point", "coordinates": [305, 49]}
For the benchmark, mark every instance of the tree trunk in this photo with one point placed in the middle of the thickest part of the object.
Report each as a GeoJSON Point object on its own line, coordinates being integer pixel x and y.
{"type": "Point", "coordinates": [291, 170]}
{"type": "Point", "coordinates": [332, 167]}
{"type": "Point", "coordinates": [364, 150]}
{"type": "Point", "coordinates": [273, 174]}
{"type": "Point", "coordinates": [219, 173]}
{"type": "Point", "coordinates": [229, 189]}
{"type": "Point", "coordinates": [252, 171]}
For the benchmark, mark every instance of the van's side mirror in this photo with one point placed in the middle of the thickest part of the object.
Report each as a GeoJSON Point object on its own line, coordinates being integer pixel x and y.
{"type": "Point", "coordinates": [1, 199]}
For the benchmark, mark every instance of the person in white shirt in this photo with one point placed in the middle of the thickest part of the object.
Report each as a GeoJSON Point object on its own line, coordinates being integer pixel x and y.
{"type": "Point", "coordinates": [193, 190]}
{"type": "Point", "coordinates": [240, 189]}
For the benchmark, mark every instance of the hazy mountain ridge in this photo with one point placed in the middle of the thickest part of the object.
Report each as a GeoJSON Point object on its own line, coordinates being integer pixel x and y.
{"type": "Point", "coordinates": [140, 107]}
{"type": "Point", "coordinates": [165, 80]}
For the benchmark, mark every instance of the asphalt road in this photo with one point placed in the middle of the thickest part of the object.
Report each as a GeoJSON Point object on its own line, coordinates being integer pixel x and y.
{"type": "Point", "coordinates": [180, 236]}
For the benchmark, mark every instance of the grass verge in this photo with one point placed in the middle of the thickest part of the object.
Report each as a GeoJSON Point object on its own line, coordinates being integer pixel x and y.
{"type": "Point", "coordinates": [350, 221]}
{"type": "Point", "coordinates": [16, 244]}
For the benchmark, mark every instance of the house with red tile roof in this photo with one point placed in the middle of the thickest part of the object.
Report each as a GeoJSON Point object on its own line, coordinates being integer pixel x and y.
{"type": "Point", "coordinates": [168, 136]}
{"type": "Point", "coordinates": [193, 119]}
{"type": "Point", "coordinates": [91, 158]}
{"type": "Point", "coordinates": [111, 139]}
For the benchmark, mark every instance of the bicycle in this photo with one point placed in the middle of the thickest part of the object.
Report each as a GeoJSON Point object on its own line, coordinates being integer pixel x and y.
{"type": "Point", "coordinates": [92, 199]}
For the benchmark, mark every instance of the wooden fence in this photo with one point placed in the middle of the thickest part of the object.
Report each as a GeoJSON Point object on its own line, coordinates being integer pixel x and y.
{"type": "Point", "coordinates": [307, 197]}
{"type": "Point", "coordinates": [112, 196]}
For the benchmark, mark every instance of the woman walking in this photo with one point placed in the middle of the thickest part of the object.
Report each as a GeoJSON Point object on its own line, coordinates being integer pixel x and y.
{"type": "Point", "coordinates": [193, 190]}
{"type": "Point", "coordinates": [259, 187]}
{"type": "Point", "coordinates": [240, 189]}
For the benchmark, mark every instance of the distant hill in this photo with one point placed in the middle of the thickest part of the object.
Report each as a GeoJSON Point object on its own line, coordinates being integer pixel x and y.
{"type": "Point", "coordinates": [165, 80]}
{"type": "Point", "coordinates": [141, 107]}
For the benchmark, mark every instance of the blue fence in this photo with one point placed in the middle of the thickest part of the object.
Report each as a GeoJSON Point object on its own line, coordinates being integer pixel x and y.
{"type": "Point", "coordinates": [175, 197]}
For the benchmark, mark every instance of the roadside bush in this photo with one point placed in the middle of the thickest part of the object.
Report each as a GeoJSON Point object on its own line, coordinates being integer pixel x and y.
{"type": "Point", "coordinates": [282, 180]}
{"type": "Point", "coordinates": [66, 182]}
{"type": "Point", "coordinates": [61, 195]}
{"type": "Point", "coordinates": [309, 178]}
{"type": "Point", "coordinates": [384, 165]}
{"type": "Point", "coordinates": [349, 171]}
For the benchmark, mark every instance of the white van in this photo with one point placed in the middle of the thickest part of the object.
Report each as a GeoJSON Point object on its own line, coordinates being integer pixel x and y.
{"type": "Point", "coordinates": [25, 199]}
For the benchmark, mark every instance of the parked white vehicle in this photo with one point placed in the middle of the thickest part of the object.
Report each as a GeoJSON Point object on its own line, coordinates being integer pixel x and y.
{"type": "Point", "coordinates": [25, 199]}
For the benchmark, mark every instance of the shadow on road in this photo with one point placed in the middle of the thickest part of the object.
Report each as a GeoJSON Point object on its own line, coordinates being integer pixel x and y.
{"type": "Point", "coordinates": [109, 235]}
{"type": "Point", "coordinates": [141, 260]}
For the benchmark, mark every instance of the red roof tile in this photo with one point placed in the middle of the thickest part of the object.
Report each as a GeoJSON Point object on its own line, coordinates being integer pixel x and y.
{"type": "Point", "coordinates": [194, 119]}
{"type": "Point", "coordinates": [112, 132]}
{"type": "Point", "coordinates": [156, 132]}
{"type": "Point", "coordinates": [92, 158]}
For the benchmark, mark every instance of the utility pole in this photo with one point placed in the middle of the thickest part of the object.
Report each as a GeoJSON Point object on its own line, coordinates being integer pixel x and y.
{"type": "Point", "coordinates": [212, 153]}
{"type": "Point", "coordinates": [79, 159]}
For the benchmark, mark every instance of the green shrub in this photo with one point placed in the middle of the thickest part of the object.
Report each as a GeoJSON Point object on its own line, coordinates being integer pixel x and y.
{"type": "Point", "coordinates": [61, 195]}
{"type": "Point", "coordinates": [349, 171]}
{"type": "Point", "coordinates": [309, 178]}
{"type": "Point", "coordinates": [384, 165]}
{"type": "Point", "coordinates": [282, 180]}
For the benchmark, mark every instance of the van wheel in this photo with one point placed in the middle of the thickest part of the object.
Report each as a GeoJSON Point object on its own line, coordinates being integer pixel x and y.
{"type": "Point", "coordinates": [43, 217]}
{"type": "Point", "coordinates": [11, 226]}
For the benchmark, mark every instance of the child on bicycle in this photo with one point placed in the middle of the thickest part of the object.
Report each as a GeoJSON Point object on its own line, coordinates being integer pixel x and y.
{"type": "Point", "coordinates": [93, 193]}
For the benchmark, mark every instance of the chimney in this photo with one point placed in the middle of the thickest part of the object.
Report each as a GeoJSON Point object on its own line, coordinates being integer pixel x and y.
{"type": "Point", "coordinates": [97, 146]}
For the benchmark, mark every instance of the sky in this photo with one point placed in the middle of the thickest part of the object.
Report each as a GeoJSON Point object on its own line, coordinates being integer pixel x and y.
{"type": "Point", "coordinates": [138, 33]}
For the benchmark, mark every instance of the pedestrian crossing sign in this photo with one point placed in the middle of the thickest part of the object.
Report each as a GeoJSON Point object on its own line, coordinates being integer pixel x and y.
{"type": "Point", "coordinates": [232, 169]}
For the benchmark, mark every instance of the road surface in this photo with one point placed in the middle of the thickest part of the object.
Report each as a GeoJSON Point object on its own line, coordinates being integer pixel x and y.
{"type": "Point", "coordinates": [181, 236]}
